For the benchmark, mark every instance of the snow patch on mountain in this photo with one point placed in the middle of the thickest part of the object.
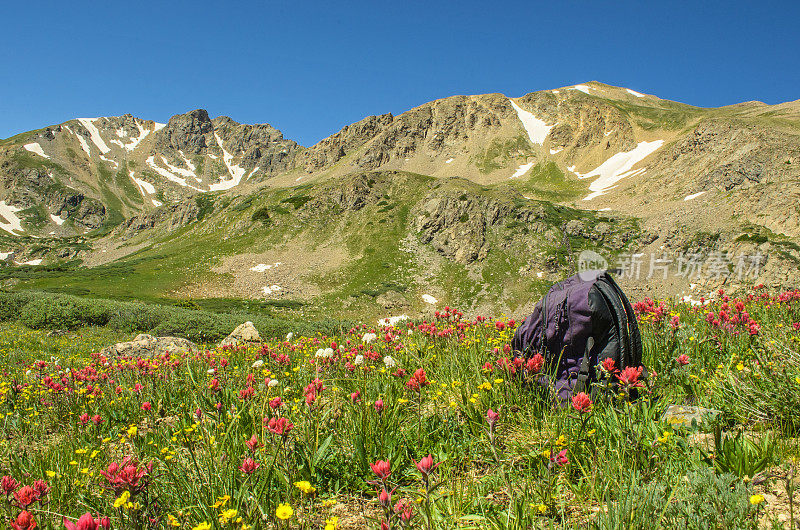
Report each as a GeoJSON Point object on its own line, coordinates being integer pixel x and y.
{"type": "Point", "coordinates": [537, 129]}
{"type": "Point", "coordinates": [178, 170]}
{"type": "Point", "coordinates": [236, 172]}
{"type": "Point", "coordinates": [95, 134]}
{"type": "Point", "coordinates": [57, 220]}
{"type": "Point", "coordinates": [84, 144]}
{"type": "Point", "coordinates": [134, 143]}
{"type": "Point", "coordinates": [693, 196]}
{"type": "Point", "coordinates": [428, 299]}
{"type": "Point", "coordinates": [521, 170]}
{"type": "Point", "coordinates": [168, 175]}
{"type": "Point", "coordinates": [582, 88]}
{"type": "Point", "coordinates": [36, 149]}
{"type": "Point", "coordinates": [617, 168]}
{"type": "Point", "coordinates": [635, 93]}
{"type": "Point", "coordinates": [144, 186]}
{"type": "Point", "coordinates": [554, 151]}
{"type": "Point", "coordinates": [9, 221]}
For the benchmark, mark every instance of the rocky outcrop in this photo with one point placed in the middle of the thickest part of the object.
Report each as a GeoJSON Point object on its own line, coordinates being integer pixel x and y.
{"type": "Point", "coordinates": [148, 346]}
{"type": "Point", "coordinates": [169, 217]}
{"type": "Point", "coordinates": [195, 133]}
{"type": "Point", "coordinates": [456, 225]}
{"type": "Point", "coordinates": [186, 132]}
{"type": "Point", "coordinates": [243, 333]}
{"type": "Point", "coordinates": [29, 187]}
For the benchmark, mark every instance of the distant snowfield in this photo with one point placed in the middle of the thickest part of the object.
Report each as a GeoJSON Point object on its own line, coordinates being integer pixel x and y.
{"type": "Point", "coordinates": [635, 93]}
{"type": "Point", "coordinates": [84, 145]}
{"type": "Point", "coordinates": [554, 151]}
{"type": "Point", "coordinates": [95, 134]}
{"type": "Point", "coordinates": [582, 88]}
{"type": "Point", "coordinates": [270, 289]}
{"type": "Point", "coordinates": [180, 171]}
{"type": "Point", "coordinates": [537, 129]}
{"type": "Point", "coordinates": [428, 299]}
{"type": "Point", "coordinates": [521, 170]}
{"type": "Point", "coordinates": [151, 161]}
{"type": "Point", "coordinates": [617, 168]}
{"type": "Point", "coordinates": [144, 185]}
{"type": "Point", "coordinates": [391, 321]}
{"type": "Point", "coordinates": [449, 160]}
{"type": "Point", "coordinates": [693, 196]}
{"type": "Point", "coordinates": [36, 149]}
{"type": "Point", "coordinates": [10, 222]}
{"type": "Point", "coordinates": [134, 143]}
{"type": "Point", "coordinates": [261, 267]}
{"type": "Point", "coordinates": [57, 220]}
{"type": "Point", "coordinates": [235, 171]}
{"type": "Point", "coordinates": [5, 255]}
{"type": "Point", "coordinates": [31, 262]}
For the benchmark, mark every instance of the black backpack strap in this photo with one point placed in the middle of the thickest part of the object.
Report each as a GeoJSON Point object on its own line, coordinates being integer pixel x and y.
{"type": "Point", "coordinates": [543, 335]}
{"type": "Point", "coordinates": [620, 317]}
{"type": "Point", "coordinates": [635, 335]}
{"type": "Point", "coordinates": [583, 375]}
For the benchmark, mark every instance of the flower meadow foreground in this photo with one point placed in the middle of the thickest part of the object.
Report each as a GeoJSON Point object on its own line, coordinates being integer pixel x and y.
{"type": "Point", "coordinates": [418, 425]}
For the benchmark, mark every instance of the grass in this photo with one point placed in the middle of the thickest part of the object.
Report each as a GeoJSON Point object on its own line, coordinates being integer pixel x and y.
{"type": "Point", "coordinates": [287, 434]}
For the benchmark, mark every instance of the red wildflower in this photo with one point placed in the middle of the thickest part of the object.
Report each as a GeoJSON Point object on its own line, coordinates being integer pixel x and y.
{"type": "Point", "coordinates": [608, 365]}
{"type": "Point", "coordinates": [581, 402]}
{"type": "Point", "coordinates": [535, 363]}
{"type": "Point", "coordinates": [42, 488]}
{"type": "Point", "coordinates": [127, 476]}
{"type": "Point", "coordinates": [24, 521]}
{"type": "Point", "coordinates": [275, 402]}
{"type": "Point", "coordinates": [355, 397]}
{"type": "Point", "coordinates": [86, 522]}
{"type": "Point", "coordinates": [382, 469]}
{"type": "Point", "coordinates": [253, 443]}
{"type": "Point", "coordinates": [9, 484]}
{"type": "Point", "coordinates": [379, 406]}
{"type": "Point", "coordinates": [213, 385]}
{"type": "Point", "coordinates": [84, 418]}
{"type": "Point", "coordinates": [426, 465]}
{"type": "Point", "coordinates": [280, 426]}
{"type": "Point", "coordinates": [491, 417]}
{"type": "Point", "coordinates": [146, 406]}
{"type": "Point", "coordinates": [418, 380]}
{"type": "Point", "coordinates": [629, 377]}
{"type": "Point", "coordinates": [97, 420]}
{"type": "Point", "coordinates": [560, 458]}
{"type": "Point", "coordinates": [683, 359]}
{"type": "Point", "coordinates": [247, 393]}
{"type": "Point", "coordinates": [26, 496]}
{"type": "Point", "coordinates": [249, 466]}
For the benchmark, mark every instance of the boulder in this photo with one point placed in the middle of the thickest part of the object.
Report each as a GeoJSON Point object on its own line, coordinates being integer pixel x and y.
{"type": "Point", "coordinates": [246, 332]}
{"type": "Point", "coordinates": [147, 346]}
{"type": "Point", "coordinates": [689, 415]}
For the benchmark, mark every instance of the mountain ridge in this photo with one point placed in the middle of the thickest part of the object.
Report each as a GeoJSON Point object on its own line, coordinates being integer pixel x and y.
{"type": "Point", "coordinates": [103, 189]}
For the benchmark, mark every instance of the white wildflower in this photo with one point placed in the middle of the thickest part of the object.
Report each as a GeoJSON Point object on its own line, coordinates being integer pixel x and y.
{"type": "Point", "coordinates": [389, 362]}
{"type": "Point", "coordinates": [272, 383]}
{"type": "Point", "coordinates": [289, 336]}
{"type": "Point", "coordinates": [368, 337]}
{"type": "Point", "coordinates": [359, 359]}
{"type": "Point", "coordinates": [258, 364]}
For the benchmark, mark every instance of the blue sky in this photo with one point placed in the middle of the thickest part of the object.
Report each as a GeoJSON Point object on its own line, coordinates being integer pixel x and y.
{"type": "Point", "coordinates": [309, 68]}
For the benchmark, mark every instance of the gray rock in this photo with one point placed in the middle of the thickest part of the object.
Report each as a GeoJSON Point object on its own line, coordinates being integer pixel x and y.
{"type": "Point", "coordinates": [147, 346]}
{"type": "Point", "coordinates": [246, 332]}
{"type": "Point", "coordinates": [689, 415]}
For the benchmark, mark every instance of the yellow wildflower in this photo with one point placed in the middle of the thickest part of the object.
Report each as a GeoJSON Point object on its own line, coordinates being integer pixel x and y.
{"type": "Point", "coordinates": [305, 486]}
{"type": "Point", "coordinates": [122, 499]}
{"type": "Point", "coordinates": [283, 512]}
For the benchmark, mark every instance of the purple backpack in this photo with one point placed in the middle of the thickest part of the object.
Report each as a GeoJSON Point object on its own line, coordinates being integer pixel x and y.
{"type": "Point", "coordinates": [579, 323]}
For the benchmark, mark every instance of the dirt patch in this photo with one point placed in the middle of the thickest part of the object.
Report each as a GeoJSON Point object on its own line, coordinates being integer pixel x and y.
{"type": "Point", "coordinates": [279, 273]}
